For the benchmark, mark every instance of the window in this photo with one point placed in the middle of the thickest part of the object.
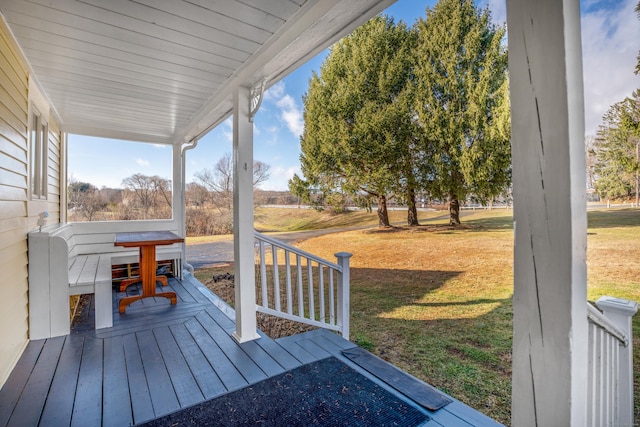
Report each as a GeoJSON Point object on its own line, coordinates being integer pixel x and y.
{"type": "Point", "coordinates": [39, 153]}
{"type": "Point", "coordinates": [116, 180]}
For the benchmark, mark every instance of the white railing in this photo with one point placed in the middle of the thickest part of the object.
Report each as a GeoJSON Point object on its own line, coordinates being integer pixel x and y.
{"type": "Point", "coordinates": [610, 375]}
{"type": "Point", "coordinates": [302, 287]}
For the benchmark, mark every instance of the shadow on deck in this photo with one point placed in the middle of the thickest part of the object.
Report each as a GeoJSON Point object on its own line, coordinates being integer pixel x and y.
{"type": "Point", "coordinates": [159, 358]}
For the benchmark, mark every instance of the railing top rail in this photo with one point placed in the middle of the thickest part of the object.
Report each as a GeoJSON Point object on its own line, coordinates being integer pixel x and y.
{"type": "Point", "coordinates": [295, 250]}
{"type": "Point", "coordinates": [595, 316]}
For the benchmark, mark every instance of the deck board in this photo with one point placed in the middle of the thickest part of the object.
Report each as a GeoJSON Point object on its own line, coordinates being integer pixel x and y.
{"type": "Point", "coordinates": [226, 371]}
{"type": "Point", "coordinates": [158, 358]}
{"type": "Point", "coordinates": [248, 368]}
{"type": "Point", "coordinates": [163, 396]}
{"type": "Point", "coordinates": [87, 410]}
{"type": "Point", "coordinates": [138, 389]}
{"type": "Point", "coordinates": [290, 344]}
{"type": "Point", "coordinates": [184, 384]}
{"type": "Point", "coordinates": [14, 385]}
{"type": "Point", "coordinates": [116, 400]}
{"type": "Point", "coordinates": [208, 381]}
{"type": "Point", "coordinates": [59, 406]}
{"type": "Point", "coordinates": [27, 412]}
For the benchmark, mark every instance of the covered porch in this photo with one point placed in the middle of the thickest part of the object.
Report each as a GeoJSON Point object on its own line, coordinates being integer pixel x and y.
{"type": "Point", "coordinates": [159, 359]}
{"type": "Point", "coordinates": [167, 72]}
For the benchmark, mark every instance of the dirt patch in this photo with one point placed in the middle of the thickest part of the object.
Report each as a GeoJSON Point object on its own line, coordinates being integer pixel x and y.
{"type": "Point", "coordinates": [274, 327]}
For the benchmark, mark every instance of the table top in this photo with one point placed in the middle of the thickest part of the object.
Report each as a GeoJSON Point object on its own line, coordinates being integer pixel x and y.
{"type": "Point", "coordinates": [142, 238]}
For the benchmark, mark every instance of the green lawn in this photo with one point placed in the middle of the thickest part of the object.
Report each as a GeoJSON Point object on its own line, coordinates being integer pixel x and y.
{"type": "Point", "coordinates": [436, 300]}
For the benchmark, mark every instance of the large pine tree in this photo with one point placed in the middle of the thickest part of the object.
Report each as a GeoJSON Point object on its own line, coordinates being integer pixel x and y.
{"type": "Point", "coordinates": [462, 106]}
{"type": "Point", "coordinates": [357, 119]}
{"type": "Point", "coordinates": [616, 147]}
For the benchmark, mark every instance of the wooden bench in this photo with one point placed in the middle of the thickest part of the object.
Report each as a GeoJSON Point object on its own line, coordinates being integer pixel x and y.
{"type": "Point", "coordinates": [63, 263]}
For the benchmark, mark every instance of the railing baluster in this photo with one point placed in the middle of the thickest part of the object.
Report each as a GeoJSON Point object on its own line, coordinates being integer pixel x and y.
{"type": "Point", "coordinates": [321, 291]}
{"type": "Point", "coordinates": [263, 276]}
{"type": "Point", "coordinates": [312, 311]}
{"type": "Point", "coordinates": [287, 261]}
{"type": "Point", "coordinates": [300, 289]}
{"type": "Point", "coordinates": [276, 277]}
{"type": "Point", "coordinates": [332, 309]}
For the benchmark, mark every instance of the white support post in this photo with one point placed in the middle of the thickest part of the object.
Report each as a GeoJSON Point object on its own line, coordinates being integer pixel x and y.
{"type": "Point", "coordinates": [179, 201]}
{"type": "Point", "coordinates": [344, 279]}
{"type": "Point", "coordinates": [243, 252]}
{"type": "Point", "coordinates": [549, 190]}
{"type": "Point", "coordinates": [619, 312]}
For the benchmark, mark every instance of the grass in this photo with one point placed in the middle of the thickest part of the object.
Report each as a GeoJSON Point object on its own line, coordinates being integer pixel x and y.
{"type": "Point", "coordinates": [436, 300]}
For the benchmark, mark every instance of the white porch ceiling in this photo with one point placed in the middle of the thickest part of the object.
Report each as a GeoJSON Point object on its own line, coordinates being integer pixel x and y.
{"type": "Point", "coordinates": [163, 70]}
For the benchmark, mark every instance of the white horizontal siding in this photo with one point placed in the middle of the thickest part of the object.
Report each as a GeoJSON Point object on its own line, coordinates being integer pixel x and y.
{"type": "Point", "coordinates": [13, 209]}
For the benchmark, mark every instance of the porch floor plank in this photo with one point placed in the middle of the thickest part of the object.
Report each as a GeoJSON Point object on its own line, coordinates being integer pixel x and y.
{"type": "Point", "coordinates": [37, 387]}
{"type": "Point", "coordinates": [117, 403]}
{"type": "Point", "coordinates": [158, 358]}
{"type": "Point", "coordinates": [228, 374]}
{"type": "Point", "coordinates": [185, 385]}
{"type": "Point", "coordinates": [282, 356]}
{"type": "Point", "coordinates": [163, 396]}
{"type": "Point", "coordinates": [208, 381]}
{"type": "Point", "coordinates": [87, 410]}
{"type": "Point", "coordinates": [14, 385]}
{"type": "Point", "coordinates": [290, 344]}
{"type": "Point", "coordinates": [138, 389]}
{"type": "Point", "coordinates": [243, 363]}
{"type": "Point", "coordinates": [59, 406]}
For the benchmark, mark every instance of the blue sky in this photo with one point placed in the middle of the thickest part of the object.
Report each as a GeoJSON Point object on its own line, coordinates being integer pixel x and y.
{"type": "Point", "coordinates": [611, 41]}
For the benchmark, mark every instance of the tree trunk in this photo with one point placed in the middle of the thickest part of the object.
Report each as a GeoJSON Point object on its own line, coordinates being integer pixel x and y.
{"type": "Point", "coordinates": [454, 209]}
{"type": "Point", "coordinates": [412, 211]}
{"type": "Point", "coordinates": [383, 214]}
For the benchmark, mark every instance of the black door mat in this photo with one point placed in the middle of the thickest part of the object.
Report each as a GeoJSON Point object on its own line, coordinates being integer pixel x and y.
{"type": "Point", "coordinates": [419, 391]}
{"type": "Point", "coordinates": [322, 393]}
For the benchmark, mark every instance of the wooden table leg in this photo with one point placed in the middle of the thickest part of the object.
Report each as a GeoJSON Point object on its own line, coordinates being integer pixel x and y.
{"type": "Point", "coordinates": [148, 278]}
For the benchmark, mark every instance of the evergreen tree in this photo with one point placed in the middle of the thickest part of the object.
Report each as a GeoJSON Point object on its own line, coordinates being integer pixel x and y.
{"type": "Point", "coordinates": [462, 105]}
{"type": "Point", "coordinates": [616, 147]}
{"type": "Point", "coordinates": [357, 124]}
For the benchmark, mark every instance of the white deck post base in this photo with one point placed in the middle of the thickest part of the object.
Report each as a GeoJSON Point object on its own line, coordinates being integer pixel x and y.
{"type": "Point", "coordinates": [243, 252]}
{"type": "Point", "coordinates": [344, 280]}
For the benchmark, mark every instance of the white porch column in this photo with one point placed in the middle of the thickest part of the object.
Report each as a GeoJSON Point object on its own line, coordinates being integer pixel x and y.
{"type": "Point", "coordinates": [243, 253]}
{"type": "Point", "coordinates": [549, 302]}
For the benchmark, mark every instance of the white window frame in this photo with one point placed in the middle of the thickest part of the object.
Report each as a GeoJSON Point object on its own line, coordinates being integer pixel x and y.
{"type": "Point", "coordinates": [39, 152]}
{"type": "Point", "coordinates": [38, 143]}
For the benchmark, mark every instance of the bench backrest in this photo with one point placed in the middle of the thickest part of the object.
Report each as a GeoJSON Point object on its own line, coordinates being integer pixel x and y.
{"type": "Point", "coordinates": [99, 243]}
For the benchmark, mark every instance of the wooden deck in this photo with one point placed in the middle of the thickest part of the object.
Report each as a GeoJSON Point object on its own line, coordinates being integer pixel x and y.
{"type": "Point", "coordinates": [159, 358]}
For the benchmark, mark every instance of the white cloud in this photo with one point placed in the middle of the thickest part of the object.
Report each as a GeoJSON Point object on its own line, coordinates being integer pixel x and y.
{"type": "Point", "coordinates": [280, 177]}
{"type": "Point", "coordinates": [143, 163]}
{"type": "Point", "coordinates": [227, 129]}
{"type": "Point", "coordinates": [288, 111]}
{"type": "Point", "coordinates": [610, 45]}
{"type": "Point", "coordinates": [498, 10]}
{"type": "Point", "coordinates": [291, 115]}
{"type": "Point", "coordinates": [275, 92]}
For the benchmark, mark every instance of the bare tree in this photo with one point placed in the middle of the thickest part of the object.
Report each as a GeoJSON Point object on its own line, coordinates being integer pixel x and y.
{"type": "Point", "coordinates": [85, 199]}
{"type": "Point", "coordinates": [260, 173]}
{"type": "Point", "coordinates": [219, 180]}
{"type": "Point", "coordinates": [196, 195]}
{"type": "Point", "coordinates": [149, 192]}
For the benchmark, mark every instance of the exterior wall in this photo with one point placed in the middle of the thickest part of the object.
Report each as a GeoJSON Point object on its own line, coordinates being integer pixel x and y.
{"type": "Point", "coordinates": [18, 215]}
